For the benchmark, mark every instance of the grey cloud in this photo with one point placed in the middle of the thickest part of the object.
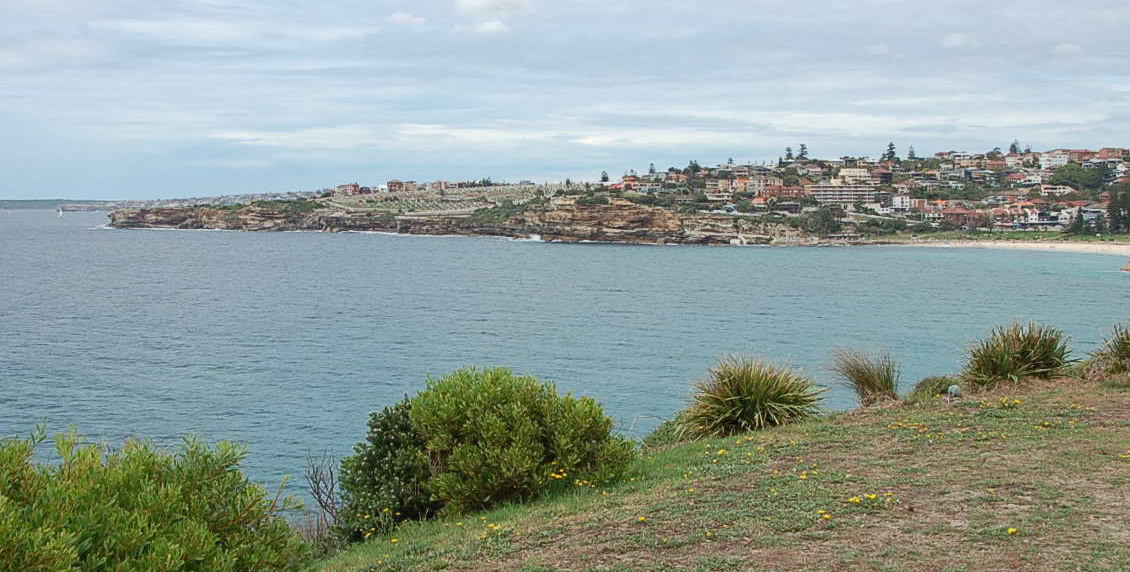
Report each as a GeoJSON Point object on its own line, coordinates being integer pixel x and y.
{"type": "Point", "coordinates": [226, 94]}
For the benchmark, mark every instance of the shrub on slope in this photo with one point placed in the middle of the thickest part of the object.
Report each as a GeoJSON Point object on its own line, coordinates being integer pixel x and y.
{"type": "Point", "coordinates": [139, 508]}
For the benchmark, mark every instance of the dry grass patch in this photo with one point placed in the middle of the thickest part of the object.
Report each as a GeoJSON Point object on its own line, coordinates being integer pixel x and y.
{"type": "Point", "coordinates": [960, 474]}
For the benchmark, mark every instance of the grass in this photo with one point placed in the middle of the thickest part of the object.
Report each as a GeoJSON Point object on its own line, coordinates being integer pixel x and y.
{"type": "Point", "coordinates": [874, 379]}
{"type": "Point", "coordinates": [930, 486]}
{"type": "Point", "coordinates": [1016, 352]}
{"type": "Point", "coordinates": [742, 394]}
{"type": "Point", "coordinates": [1114, 355]}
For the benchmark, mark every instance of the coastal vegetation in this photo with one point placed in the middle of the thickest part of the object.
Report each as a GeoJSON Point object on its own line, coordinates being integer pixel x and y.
{"type": "Point", "coordinates": [1016, 352]}
{"type": "Point", "coordinates": [873, 379]}
{"type": "Point", "coordinates": [473, 439]}
{"type": "Point", "coordinates": [743, 394]}
{"type": "Point", "coordinates": [969, 481]}
{"type": "Point", "coordinates": [139, 508]}
{"type": "Point", "coordinates": [486, 468]}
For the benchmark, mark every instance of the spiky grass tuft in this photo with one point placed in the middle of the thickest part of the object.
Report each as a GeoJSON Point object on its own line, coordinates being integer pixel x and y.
{"type": "Point", "coordinates": [1017, 351]}
{"type": "Point", "coordinates": [874, 379]}
{"type": "Point", "coordinates": [744, 394]}
{"type": "Point", "coordinates": [1114, 355]}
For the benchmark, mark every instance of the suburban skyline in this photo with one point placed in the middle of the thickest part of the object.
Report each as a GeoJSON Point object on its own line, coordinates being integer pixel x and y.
{"type": "Point", "coordinates": [126, 99]}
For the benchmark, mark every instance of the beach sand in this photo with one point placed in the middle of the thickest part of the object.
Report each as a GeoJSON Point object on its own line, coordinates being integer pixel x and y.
{"type": "Point", "coordinates": [1115, 248]}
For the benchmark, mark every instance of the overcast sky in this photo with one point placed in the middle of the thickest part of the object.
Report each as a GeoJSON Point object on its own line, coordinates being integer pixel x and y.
{"type": "Point", "coordinates": [156, 98]}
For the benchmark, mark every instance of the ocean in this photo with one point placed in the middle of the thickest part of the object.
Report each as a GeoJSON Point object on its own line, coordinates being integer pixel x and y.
{"type": "Point", "coordinates": [287, 341]}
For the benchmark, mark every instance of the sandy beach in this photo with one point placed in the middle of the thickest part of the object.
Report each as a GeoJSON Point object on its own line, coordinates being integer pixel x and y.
{"type": "Point", "coordinates": [1118, 249]}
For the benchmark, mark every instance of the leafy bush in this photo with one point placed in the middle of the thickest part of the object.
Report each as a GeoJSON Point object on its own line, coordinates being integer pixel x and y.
{"type": "Point", "coordinates": [930, 387]}
{"type": "Point", "coordinates": [493, 437]}
{"type": "Point", "coordinates": [1015, 352]}
{"type": "Point", "coordinates": [1114, 355]}
{"type": "Point", "coordinates": [743, 394]}
{"type": "Point", "coordinates": [873, 379]}
{"type": "Point", "coordinates": [139, 508]}
{"type": "Point", "coordinates": [383, 482]}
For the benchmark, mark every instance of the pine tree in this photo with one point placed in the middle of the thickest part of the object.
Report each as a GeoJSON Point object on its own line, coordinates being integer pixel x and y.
{"type": "Point", "coordinates": [604, 176]}
{"type": "Point", "coordinates": [1014, 147]}
{"type": "Point", "coordinates": [651, 169]}
{"type": "Point", "coordinates": [1077, 223]}
{"type": "Point", "coordinates": [910, 154]}
{"type": "Point", "coordinates": [890, 154]}
{"type": "Point", "coordinates": [803, 153]}
{"type": "Point", "coordinates": [789, 154]}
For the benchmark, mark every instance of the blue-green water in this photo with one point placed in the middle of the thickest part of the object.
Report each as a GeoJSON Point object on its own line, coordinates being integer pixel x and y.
{"type": "Point", "coordinates": [288, 340]}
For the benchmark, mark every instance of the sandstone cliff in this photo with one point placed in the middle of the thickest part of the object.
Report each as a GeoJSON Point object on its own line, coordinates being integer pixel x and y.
{"type": "Point", "coordinates": [562, 220]}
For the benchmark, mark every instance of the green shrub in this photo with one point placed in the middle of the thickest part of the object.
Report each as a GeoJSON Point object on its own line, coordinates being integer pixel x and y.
{"type": "Point", "coordinates": [873, 379]}
{"type": "Point", "coordinates": [493, 437]}
{"type": "Point", "coordinates": [1114, 355]}
{"type": "Point", "coordinates": [930, 387]}
{"type": "Point", "coordinates": [383, 482]}
{"type": "Point", "coordinates": [139, 508]}
{"type": "Point", "coordinates": [743, 394]}
{"type": "Point", "coordinates": [1015, 352]}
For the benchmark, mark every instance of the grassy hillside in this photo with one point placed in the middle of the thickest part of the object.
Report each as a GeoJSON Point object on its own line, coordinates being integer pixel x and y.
{"type": "Point", "coordinates": [1019, 478]}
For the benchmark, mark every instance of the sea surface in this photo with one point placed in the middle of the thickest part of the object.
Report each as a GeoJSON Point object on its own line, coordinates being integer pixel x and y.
{"type": "Point", "coordinates": [286, 341]}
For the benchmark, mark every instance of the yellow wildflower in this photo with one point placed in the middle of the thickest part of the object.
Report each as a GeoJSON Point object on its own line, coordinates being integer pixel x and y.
{"type": "Point", "coordinates": [1012, 531]}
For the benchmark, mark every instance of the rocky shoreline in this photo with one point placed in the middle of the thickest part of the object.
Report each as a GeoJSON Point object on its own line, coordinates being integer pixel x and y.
{"type": "Point", "coordinates": [559, 221]}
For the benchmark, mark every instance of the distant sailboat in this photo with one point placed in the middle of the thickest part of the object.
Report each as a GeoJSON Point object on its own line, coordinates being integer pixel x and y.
{"type": "Point", "coordinates": [60, 211]}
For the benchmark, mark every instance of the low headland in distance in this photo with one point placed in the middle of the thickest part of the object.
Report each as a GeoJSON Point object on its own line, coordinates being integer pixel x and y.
{"type": "Point", "coordinates": [1021, 199]}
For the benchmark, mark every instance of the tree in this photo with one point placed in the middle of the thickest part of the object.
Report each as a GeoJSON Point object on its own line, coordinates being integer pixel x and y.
{"type": "Point", "coordinates": [1014, 147]}
{"type": "Point", "coordinates": [604, 176]}
{"type": "Point", "coordinates": [789, 154]}
{"type": "Point", "coordinates": [890, 154]}
{"type": "Point", "coordinates": [1100, 224]}
{"type": "Point", "coordinates": [803, 153]}
{"type": "Point", "coordinates": [826, 220]}
{"type": "Point", "coordinates": [1078, 225]}
{"type": "Point", "coordinates": [651, 169]}
{"type": "Point", "coordinates": [1118, 211]}
{"type": "Point", "coordinates": [1079, 177]}
{"type": "Point", "coordinates": [910, 154]}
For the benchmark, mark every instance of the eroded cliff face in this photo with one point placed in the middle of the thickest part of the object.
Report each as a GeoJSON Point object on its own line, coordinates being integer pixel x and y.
{"type": "Point", "coordinates": [561, 221]}
{"type": "Point", "coordinates": [623, 221]}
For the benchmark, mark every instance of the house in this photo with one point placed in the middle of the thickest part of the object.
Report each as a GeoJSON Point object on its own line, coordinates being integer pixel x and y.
{"type": "Point", "coordinates": [1056, 190]}
{"type": "Point", "coordinates": [1113, 153]}
{"type": "Point", "coordinates": [836, 193]}
{"type": "Point", "coordinates": [717, 186]}
{"type": "Point", "coordinates": [1080, 155]}
{"type": "Point", "coordinates": [1054, 159]}
{"type": "Point", "coordinates": [348, 189]}
{"type": "Point", "coordinates": [882, 176]}
{"type": "Point", "coordinates": [784, 192]}
{"type": "Point", "coordinates": [959, 216]}
{"type": "Point", "coordinates": [854, 175]}
{"type": "Point", "coordinates": [674, 176]}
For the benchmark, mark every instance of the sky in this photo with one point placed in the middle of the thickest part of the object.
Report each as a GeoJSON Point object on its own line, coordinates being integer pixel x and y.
{"type": "Point", "coordinates": [123, 99]}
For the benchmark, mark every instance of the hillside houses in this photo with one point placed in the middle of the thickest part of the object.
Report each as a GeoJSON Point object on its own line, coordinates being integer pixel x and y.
{"type": "Point", "coordinates": [957, 188]}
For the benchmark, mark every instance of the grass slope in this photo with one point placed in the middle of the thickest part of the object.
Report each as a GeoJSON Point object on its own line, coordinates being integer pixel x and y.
{"type": "Point", "coordinates": [1051, 462]}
